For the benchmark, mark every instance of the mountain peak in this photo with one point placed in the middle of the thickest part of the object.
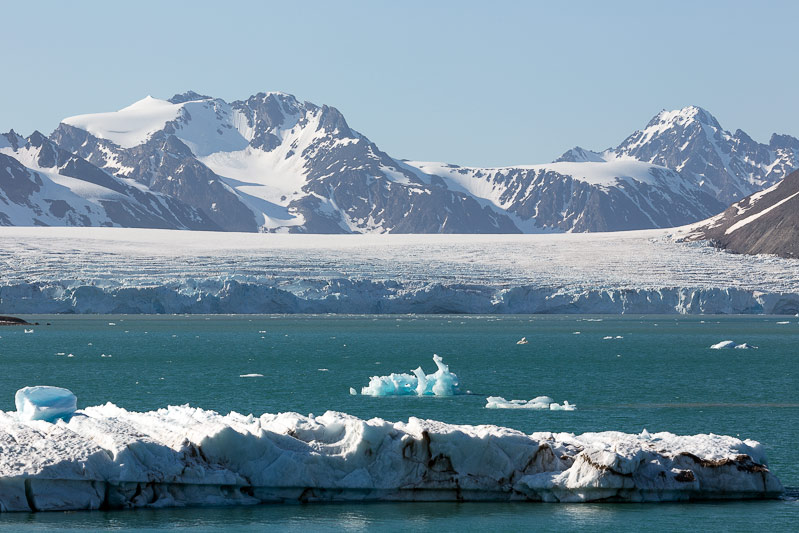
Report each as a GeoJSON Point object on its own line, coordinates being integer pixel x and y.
{"type": "Point", "coordinates": [188, 96]}
{"type": "Point", "coordinates": [580, 155]}
{"type": "Point", "coordinates": [684, 116]}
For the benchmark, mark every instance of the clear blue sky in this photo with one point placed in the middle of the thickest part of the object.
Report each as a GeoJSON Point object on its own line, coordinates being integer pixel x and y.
{"type": "Point", "coordinates": [480, 83]}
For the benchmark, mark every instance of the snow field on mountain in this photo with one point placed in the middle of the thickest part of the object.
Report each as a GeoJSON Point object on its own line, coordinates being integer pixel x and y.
{"type": "Point", "coordinates": [131, 125]}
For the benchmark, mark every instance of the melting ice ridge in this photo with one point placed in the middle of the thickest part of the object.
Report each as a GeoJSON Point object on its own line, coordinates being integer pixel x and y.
{"type": "Point", "coordinates": [108, 457]}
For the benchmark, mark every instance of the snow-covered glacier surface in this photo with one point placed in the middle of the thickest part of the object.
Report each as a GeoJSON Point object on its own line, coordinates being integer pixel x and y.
{"type": "Point", "coordinates": [118, 270]}
{"type": "Point", "coordinates": [108, 457]}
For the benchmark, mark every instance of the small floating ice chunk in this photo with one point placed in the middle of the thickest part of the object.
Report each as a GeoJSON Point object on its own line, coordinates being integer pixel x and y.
{"type": "Point", "coordinates": [112, 324]}
{"type": "Point", "coordinates": [353, 392]}
{"type": "Point", "coordinates": [28, 331]}
{"type": "Point", "coordinates": [440, 383]}
{"type": "Point", "coordinates": [250, 375]}
{"type": "Point", "coordinates": [783, 322]}
{"type": "Point", "coordinates": [727, 345]}
{"type": "Point", "coordinates": [523, 340]}
{"type": "Point", "coordinates": [45, 403]}
{"type": "Point", "coordinates": [539, 402]}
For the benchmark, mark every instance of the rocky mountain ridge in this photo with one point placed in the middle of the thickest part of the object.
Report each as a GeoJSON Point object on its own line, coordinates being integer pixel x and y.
{"type": "Point", "coordinates": [273, 163]}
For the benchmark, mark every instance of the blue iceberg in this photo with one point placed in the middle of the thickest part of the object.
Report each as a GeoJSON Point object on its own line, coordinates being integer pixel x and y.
{"type": "Point", "coordinates": [45, 403]}
{"type": "Point", "coordinates": [440, 383]}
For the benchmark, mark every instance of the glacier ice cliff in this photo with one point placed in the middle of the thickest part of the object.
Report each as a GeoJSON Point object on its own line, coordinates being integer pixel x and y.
{"type": "Point", "coordinates": [121, 270]}
{"type": "Point", "coordinates": [108, 457]}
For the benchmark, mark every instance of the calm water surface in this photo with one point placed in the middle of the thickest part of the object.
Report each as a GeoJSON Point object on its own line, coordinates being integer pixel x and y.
{"type": "Point", "coordinates": [660, 376]}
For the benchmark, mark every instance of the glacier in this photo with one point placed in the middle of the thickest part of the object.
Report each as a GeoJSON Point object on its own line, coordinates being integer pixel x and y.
{"type": "Point", "coordinates": [123, 270]}
{"type": "Point", "coordinates": [440, 383]}
{"type": "Point", "coordinates": [108, 457]}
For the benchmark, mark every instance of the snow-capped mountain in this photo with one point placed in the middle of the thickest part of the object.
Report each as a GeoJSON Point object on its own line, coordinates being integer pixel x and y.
{"type": "Point", "coordinates": [273, 163]}
{"type": "Point", "coordinates": [600, 193]}
{"type": "Point", "coordinates": [727, 165]}
{"type": "Point", "coordinates": [766, 222]}
{"type": "Point", "coordinates": [42, 185]}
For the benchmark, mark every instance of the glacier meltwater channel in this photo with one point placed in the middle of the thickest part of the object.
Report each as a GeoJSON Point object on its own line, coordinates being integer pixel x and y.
{"type": "Point", "coordinates": [108, 457]}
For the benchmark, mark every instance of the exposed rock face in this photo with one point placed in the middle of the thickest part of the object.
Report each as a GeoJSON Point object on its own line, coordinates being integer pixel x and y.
{"type": "Point", "coordinates": [43, 184]}
{"type": "Point", "coordinates": [729, 166]}
{"type": "Point", "coordinates": [766, 222]}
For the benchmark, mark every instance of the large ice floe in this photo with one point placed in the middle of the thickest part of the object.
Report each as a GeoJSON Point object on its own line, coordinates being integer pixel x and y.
{"type": "Point", "coordinates": [539, 402]}
{"type": "Point", "coordinates": [108, 457]}
{"type": "Point", "coordinates": [440, 383]}
{"type": "Point", "coordinates": [727, 345]}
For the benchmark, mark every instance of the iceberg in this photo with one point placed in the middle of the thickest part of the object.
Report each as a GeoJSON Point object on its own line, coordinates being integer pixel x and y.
{"type": "Point", "coordinates": [727, 345]}
{"type": "Point", "coordinates": [440, 383]}
{"type": "Point", "coordinates": [108, 457]}
{"type": "Point", "coordinates": [539, 402]}
{"type": "Point", "coordinates": [45, 403]}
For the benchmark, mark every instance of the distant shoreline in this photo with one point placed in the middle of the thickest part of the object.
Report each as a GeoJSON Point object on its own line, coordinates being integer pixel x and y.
{"type": "Point", "coordinates": [13, 321]}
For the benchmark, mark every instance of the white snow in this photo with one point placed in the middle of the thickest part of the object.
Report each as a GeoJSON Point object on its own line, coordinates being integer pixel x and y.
{"type": "Point", "coordinates": [538, 403]}
{"type": "Point", "coordinates": [45, 403]}
{"type": "Point", "coordinates": [130, 126]}
{"type": "Point", "coordinates": [106, 456]}
{"type": "Point", "coordinates": [604, 173]}
{"type": "Point", "coordinates": [440, 383]}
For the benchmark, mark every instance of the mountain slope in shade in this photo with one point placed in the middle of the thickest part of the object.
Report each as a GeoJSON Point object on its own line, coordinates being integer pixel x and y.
{"type": "Point", "coordinates": [42, 184]}
{"type": "Point", "coordinates": [766, 222]}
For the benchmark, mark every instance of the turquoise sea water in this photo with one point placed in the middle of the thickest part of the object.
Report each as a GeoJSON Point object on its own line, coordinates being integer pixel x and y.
{"type": "Point", "coordinates": [660, 376]}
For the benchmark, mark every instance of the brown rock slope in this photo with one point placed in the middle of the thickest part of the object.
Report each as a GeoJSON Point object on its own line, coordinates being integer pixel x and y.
{"type": "Point", "coordinates": [766, 222]}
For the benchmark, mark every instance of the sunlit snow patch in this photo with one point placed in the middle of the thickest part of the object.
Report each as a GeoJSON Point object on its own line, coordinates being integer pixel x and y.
{"type": "Point", "coordinates": [441, 383]}
{"type": "Point", "coordinates": [539, 402]}
{"type": "Point", "coordinates": [45, 403]}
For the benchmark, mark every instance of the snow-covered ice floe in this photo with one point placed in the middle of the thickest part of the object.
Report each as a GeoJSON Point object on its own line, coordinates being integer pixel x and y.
{"type": "Point", "coordinates": [539, 402]}
{"type": "Point", "coordinates": [728, 345]}
{"type": "Point", "coordinates": [440, 383]}
{"type": "Point", "coordinates": [108, 457]}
